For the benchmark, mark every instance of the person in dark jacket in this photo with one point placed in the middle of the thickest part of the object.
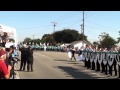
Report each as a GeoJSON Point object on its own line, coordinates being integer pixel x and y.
{"type": "Point", "coordinates": [5, 38]}
{"type": "Point", "coordinates": [23, 57]}
{"type": "Point", "coordinates": [73, 54]}
{"type": "Point", "coordinates": [30, 59]}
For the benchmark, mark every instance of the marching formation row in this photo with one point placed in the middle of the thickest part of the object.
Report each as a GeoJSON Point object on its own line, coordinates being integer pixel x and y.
{"type": "Point", "coordinates": [102, 59]}
{"type": "Point", "coordinates": [47, 48]}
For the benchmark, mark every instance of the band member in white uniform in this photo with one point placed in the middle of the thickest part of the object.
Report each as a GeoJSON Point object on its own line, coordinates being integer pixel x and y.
{"type": "Point", "coordinates": [113, 50]}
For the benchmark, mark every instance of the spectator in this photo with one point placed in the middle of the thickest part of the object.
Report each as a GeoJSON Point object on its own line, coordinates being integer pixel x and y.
{"type": "Point", "coordinates": [4, 71]}
{"type": "Point", "coordinates": [8, 60]}
{"type": "Point", "coordinates": [0, 40]}
{"type": "Point", "coordinates": [30, 59]}
{"type": "Point", "coordinates": [5, 38]}
{"type": "Point", "coordinates": [23, 57]}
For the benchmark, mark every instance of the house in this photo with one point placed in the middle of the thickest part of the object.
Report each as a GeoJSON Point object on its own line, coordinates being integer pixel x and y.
{"type": "Point", "coordinates": [79, 44]}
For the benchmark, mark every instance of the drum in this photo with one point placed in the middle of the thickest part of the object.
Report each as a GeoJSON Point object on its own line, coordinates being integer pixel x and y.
{"type": "Point", "coordinates": [79, 58]}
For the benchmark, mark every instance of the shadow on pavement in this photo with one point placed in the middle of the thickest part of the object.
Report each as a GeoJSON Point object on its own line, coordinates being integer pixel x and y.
{"type": "Point", "coordinates": [61, 60]}
{"type": "Point", "coordinates": [73, 63]}
{"type": "Point", "coordinates": [75, 73]}
{"type": "Point", "coordinates": [66, 60]}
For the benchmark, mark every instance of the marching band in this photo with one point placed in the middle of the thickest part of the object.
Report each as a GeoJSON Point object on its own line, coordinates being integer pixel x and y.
{"type": "Point", "coordinates": [102, 59]}
{"type": "Point", "coordinates": [95, 58]}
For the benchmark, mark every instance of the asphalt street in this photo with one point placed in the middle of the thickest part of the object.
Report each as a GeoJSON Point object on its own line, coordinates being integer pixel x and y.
{"type": "Point", "coordinates": [57, 65]}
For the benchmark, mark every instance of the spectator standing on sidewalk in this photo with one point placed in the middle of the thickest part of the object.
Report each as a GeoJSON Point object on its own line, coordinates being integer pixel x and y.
{"type": "Point", "coordinates": [23, 57]}
{"type": "Point", "coordinates": [30, 59]}
{"type": "Point", "coordinates": [4, 71]}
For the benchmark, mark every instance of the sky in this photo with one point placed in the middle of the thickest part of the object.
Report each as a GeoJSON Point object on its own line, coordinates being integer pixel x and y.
{"type": "Point", "coordinates": [34, 24]}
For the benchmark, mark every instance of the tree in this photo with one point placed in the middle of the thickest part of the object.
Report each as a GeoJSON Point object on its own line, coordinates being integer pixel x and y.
{"type": "Point", "coordinates": [73, 33]}
{"type": "Point", "coordinates": [36, 41]}
{"type": "Point", "coordinates": [58, 36]}
{"type": "Point", "coordinates": [95, 43]}
{"type": "Point", "coordinates": [27, 39]}
{"type": "Point", "coordinates": [81, 37]}
{"type": "Point", "coordinates": [63, 36]}
{"type": "Point", "coordinates": [51, 40]}
{"type": "Point", "coordinates": [67, 36]}
{"type": "Point", "coordinates": [118, 38]}
{"type": "Point", "coordinates": [45, 36]}
{"type": "Point", "coordinates": [48, 38]}
{"type": "Point", "coordinates": [106, 40]}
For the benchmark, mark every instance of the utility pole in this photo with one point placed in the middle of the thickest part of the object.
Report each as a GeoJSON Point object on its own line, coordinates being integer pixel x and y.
{"type": "Point", "coordinates": [83, 26]}
{"type": "Point", "coordinates": [33, 36]}
{"type": "Point", "coordinates": [81, 29]}
{"type": "Point", "coordinates": [54, 24]}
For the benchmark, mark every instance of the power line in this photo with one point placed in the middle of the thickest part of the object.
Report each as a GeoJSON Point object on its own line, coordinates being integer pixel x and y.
{"type": "Point", "coordinates": [102, 29]}
{"type": "Point", "coordinates": [74, 23]}
{"type": "Point", "coordinates": [33, 27]}
{"type": "Point", "coordinates": [66, 18]}
{"type": "Point", "coordinates": [101, 26]}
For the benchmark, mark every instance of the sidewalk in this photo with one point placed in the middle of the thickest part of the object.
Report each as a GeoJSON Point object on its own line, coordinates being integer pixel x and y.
{"type": "Point", "coordinates": [16, 71]}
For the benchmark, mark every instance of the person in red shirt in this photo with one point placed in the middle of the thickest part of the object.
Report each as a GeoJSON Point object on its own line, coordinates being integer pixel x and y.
{"type": "Point", "coordinates": [4, 71]}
